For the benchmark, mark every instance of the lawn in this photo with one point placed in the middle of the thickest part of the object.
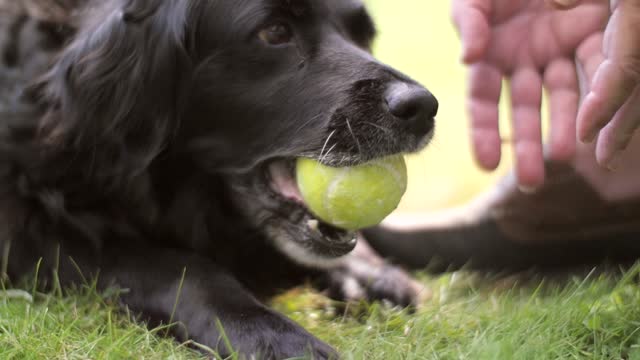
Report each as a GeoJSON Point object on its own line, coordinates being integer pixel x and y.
{"type": "Point", "coordinates": [587, 315]}
{"type": "Point", "coordinates": [594, 315]}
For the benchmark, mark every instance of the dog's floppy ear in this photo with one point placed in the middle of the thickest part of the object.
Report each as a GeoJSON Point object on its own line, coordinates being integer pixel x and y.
{"type": "Point", "coordinates": [115, 93]}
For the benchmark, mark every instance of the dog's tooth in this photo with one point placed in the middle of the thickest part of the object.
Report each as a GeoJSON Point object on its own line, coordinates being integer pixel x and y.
{"type": "Point", "coordinates": [313, 224]}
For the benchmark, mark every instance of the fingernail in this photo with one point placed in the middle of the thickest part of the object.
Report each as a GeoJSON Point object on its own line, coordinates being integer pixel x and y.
{"type": "Point", "coordinates": [615, 163]}
{"type": "Point", "coordinates": [565, 3]}
{"type": "Point", "coordinates": [527, 189]}
{"type": "Point", "coordinates": [464, 57]}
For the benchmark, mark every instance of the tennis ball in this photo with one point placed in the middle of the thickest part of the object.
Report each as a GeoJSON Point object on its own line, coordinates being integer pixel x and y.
{"type": "Point", "coordinates": [354, 197]}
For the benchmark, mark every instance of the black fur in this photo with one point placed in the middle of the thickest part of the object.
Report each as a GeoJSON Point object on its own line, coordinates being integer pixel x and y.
{"type": "Point", "coordinates": [143, 151]}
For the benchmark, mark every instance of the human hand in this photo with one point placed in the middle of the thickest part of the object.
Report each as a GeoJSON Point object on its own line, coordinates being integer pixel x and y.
{"type": "Point", "coordinates": [532, 45]}
{"type": "Point", "coordinates": [610, 113]}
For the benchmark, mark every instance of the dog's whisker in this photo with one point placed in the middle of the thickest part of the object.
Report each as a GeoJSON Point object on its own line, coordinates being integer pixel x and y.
{"type": "Point", "coordinates": [322, 158]}
{"type": "Point", "coordinates": [354, 137]}
{"type": "Point", "coordinates": [326, 143]}
{"type": "Point", "coordinates": [306, 123]}
{"type": "Point", "coordinates": [379, 127]}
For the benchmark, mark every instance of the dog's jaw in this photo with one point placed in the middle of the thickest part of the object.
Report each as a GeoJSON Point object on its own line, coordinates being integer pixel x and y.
{"type": "Point", "coordinates": [269, 198]}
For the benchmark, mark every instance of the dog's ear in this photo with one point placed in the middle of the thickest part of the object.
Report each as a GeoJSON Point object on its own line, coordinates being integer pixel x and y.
{"type": "Point", "coordinates": [116, 92]}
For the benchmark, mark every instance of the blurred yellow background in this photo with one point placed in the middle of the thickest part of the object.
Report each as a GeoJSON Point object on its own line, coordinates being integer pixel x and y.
{"type": "Point", "coordinates": [417, 37]}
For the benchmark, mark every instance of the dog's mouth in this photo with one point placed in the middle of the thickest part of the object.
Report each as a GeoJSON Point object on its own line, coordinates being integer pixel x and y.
{"type": "Point", "coordinates": [326, 240]}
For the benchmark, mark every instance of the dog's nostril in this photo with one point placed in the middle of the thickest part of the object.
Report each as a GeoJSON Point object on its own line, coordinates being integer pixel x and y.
{"type": "Point", "coordinates": [413, 104]}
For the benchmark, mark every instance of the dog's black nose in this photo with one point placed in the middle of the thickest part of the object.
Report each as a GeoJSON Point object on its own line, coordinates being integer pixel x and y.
{"type": "Point", "coordinates": [414, 105]}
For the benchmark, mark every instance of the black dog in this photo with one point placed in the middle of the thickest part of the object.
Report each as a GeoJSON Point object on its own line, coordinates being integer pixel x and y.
{"type": "Point", "coordinates": [156, 153]}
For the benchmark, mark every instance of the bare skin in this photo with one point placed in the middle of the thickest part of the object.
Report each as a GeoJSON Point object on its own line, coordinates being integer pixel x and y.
{"type": "Point", "coordinates": [539, 44]}
{"type": "Point", "coordinates": [610, 113]}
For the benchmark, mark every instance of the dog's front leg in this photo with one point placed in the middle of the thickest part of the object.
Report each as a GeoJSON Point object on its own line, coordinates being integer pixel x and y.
{"type": "Point", "coordinates": [187, 289]}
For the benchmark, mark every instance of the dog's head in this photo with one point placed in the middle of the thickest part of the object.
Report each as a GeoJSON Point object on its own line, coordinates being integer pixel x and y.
{"type": "Point", "coordinates": [239, 89]}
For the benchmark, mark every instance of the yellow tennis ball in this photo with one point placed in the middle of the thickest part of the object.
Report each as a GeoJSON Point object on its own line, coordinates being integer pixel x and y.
{"type": "Point", "coordinates": [354, 197]}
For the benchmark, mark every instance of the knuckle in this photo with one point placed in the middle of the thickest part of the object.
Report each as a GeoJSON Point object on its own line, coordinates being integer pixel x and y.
{"type": "Point", "coordinates": [561, 75]}
{"type": "Point", "coordinates": [622, 138]}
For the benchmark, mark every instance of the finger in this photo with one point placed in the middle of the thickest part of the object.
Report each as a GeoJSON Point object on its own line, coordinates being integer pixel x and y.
{"type": "Point", "coordinates": [610, 89]}
{"type": "Point", "coordinates": [471, 18]}
{"type": "Point", "coordinates": [589, 57]}
{"type": "Point", "coordinates": [616, 136]}
{"type": "Point", "coordinates": [526, 98]}
{"type": "Point", "coordinates": [618, 75]}
{"type": "Point", "coordinates": [484, 97]}
{"type": "Point", "coordinates": [561, 82]}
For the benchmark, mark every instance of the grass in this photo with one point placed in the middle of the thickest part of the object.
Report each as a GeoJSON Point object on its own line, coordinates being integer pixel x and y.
{"type": "Point", "coordinates": [81, 325]}
{"type": "Point", "coordinates": [470, 316]}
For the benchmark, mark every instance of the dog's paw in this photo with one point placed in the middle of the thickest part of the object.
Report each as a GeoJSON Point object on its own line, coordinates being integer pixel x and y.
{"type": "Point", "coordinates": [363, 275]}
{"type": "Point", "coordinates": [272, 336]}
{"type": "Point", "coordinates": [387, 284]}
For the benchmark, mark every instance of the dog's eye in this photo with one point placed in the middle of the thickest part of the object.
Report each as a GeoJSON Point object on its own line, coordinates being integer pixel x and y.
{"type": "Point", "coordinates": [276, 34]}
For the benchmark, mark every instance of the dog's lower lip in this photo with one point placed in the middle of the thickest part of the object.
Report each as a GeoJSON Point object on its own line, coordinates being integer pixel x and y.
{"type": "Point", "coordinates": [332, 235]}
{"type": "Point", "coordinates": [338, 244]}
